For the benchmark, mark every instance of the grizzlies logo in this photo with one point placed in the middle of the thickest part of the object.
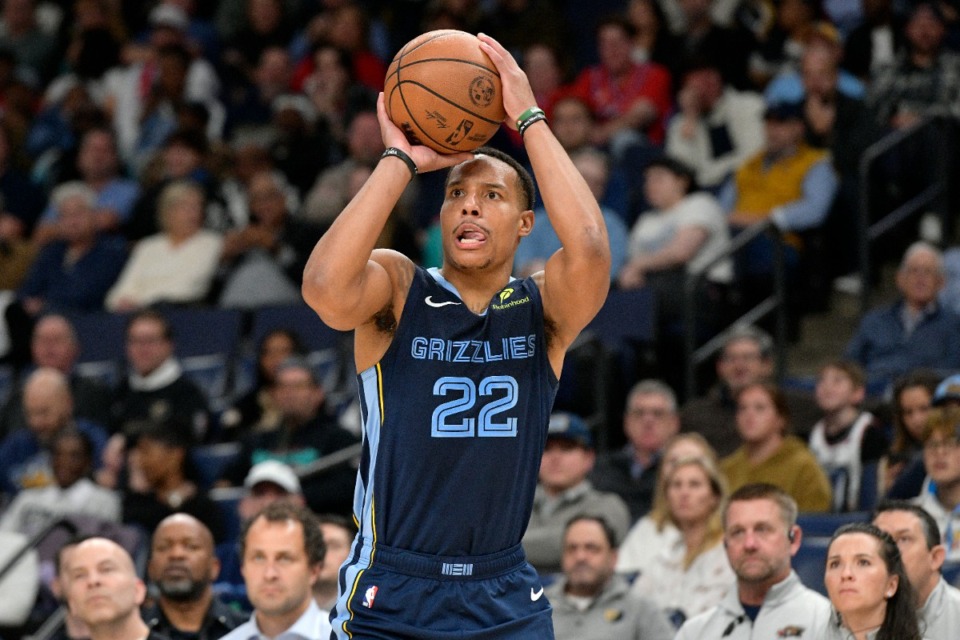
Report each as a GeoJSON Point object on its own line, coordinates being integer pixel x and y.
{"type": "Point", "coordinates": [482, 91]}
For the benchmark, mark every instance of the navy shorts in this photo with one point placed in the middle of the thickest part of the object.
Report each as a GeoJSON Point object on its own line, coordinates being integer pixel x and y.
{"type": "Point", "coordinates": [401, 594]}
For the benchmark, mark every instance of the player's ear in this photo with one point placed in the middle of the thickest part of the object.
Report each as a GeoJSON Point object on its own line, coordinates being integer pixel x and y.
{"type": "Point", "coordinates": [526, 222]}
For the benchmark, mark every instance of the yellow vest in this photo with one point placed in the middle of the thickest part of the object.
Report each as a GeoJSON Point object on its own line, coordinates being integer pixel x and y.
{"type": "Point", "coordinates": [761, 189]}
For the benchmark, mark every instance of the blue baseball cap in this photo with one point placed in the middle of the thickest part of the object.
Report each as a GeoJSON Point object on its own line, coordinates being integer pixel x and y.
{"type": "Point", "coordinates": [947, 391]}
{"type": "Point", "coordinates": [569, 426]}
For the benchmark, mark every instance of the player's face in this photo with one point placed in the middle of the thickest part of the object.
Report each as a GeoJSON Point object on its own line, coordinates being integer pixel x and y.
{"type": "Point", "coordinates": [649, 422]}
{"type": "Point", "coordinates": [921, 563]}
{"type": "Point", "coordinates": [101, 584]}
{"type": "Point", "coordinates": [757, 417]}
{"type": "Point", "coordinates": [757, 543]}
{"type": "Point", "coordinates": [856, 577]}
{"type": "Point", "coordinates": [482, 219]}
{"type": "Point", "coordinates": [588, 560]}
{"type": "Point", "coordinates": [276, 569]}
{"type": "Point", "coordinates": [835, 390]}
{"type": "Point", "coordinates": [690, 497]}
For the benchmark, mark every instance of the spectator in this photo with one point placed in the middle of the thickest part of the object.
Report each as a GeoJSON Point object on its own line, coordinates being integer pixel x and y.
{"type": "Point", "coordinates": [847, 440]}
{"type": "Point", "coordinates": [257, 410]}
{"type": "Point", "coordinates": [21, 199]}
{"type": "Point", "coordinates": [780, 47]}
{"type": "Point", "coordinates": [33, 47]}
{"type": "Point", "coordinates": [761, 535]}
{"type": "Point", "coordinates": [250, 103]}
{"type": "Point", "coordinates": [519, 22]}
{"type": "Point", "coordinates": [281, 553]}
{"type": "Point", "coordinates": [650, 420]}
{"type": "Point", "coordinates": [692, 574]}
{"type": "Point", "coordinates": [542, 242]}
{"type": "Point", "coordinates": [48, 408]}
{"type": "Point", "coordinates": [17, 253]}
{"type": "Point", "coordinates": [918, 538]}
{"type": "Point", "coordinates": [913, 332]}
{"type": "Point", "coordinates": [75, 272]}
{"type": "Point", "coordinates": [264, 260]}
{"type": "Point", "coordinates": [631, 100]}
{"type": "Point", "coordinates": [717, 127]}
{"type": "Point", "coordinates": [72, 629]}
{"type": "Point", "coordinates": [564, 491]}
{"type": "Point", "coordinates": [308, 433]}
{"type": "Point", "coordinates": [589, 590]}
{"type": "Point", "coordinates": [72, 491]}
{"type": "Point", "coordinates": [547, 70]}
{"type": "Point", "coordinates": [912, 400]}
{"type": "Point", "coordinates": [104, 592]}
{"type": "Point", "coordinates": [925, 77]}
{"type": "Point", "coordinates": [163, 479]}
{"type": "Point", "coordinates": [746, 358]}
{"type": "Point", "coordinates": [176, 265]}
{"type": "Point", "coordinates": [873, 45]}
{"type": "Point", "coordinates": [868, 586]}
{"type": "Point", "coordinates": [302, 144]}
{"type": "Point", "coordinates": [822, 44]}
{"type": "Point", "coordinates": [184, 567]}
{"type": "Point", "coordinates": [54, 344]}
{"type": "Point", "coordinates": [98, 167]}
{"type": "Point", "coordinates": [770, 454]}
{"type": "Point", "coordinates": [654, 39]}
{"type": "Point", "coordinates": [941, 495]}
{"type": "Point", "coordinates": [268, 482]}
{"type": "Point", "coordinates": [656, 530]}
{"type": "Point", "coordinates": [338, 535]}
{"type": "Point", "coordinates": [155, 387]}
{"type": "Point", "coordinates": [705, 36]}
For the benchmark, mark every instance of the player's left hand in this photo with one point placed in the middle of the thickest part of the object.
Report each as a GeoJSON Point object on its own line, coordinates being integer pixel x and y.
{"type": "Point", "coordinates": [517, 94]}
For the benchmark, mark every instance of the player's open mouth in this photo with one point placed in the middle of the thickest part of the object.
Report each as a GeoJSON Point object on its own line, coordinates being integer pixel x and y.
{"type": "Point", "coordinates": [469, 236]}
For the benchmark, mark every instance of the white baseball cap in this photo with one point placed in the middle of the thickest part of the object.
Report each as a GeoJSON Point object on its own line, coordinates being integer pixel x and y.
{"type": "Point", "coordinates": [273, 471]}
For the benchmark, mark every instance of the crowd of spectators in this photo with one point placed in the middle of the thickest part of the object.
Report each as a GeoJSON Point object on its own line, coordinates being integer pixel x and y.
{"type": "Point", "coordinates": [173, 153]}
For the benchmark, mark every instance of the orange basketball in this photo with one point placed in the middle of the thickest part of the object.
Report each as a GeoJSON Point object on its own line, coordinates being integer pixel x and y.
{"type": "Point", "coordinates": [444, 92]}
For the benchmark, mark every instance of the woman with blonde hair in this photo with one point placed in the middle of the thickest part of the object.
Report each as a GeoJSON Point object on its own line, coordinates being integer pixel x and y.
{"type": "Point", "coordinates": [688, 571]}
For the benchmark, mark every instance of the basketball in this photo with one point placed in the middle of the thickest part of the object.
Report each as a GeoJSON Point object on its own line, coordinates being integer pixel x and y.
{"type": "Point", "coordinates": [444, 92]}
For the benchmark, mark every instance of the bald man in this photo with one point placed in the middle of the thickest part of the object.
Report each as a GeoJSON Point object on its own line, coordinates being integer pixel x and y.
{"type": "Point", "coordinates": [184, 566]}
{"type": "Point", "coordinates": [48, 407]}
{"type": "Point", "coordinates": [104, 592]}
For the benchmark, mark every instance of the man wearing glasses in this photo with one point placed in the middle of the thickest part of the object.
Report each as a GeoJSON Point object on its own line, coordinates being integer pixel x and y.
{"type": "Point", "coordinates": [940, 496]}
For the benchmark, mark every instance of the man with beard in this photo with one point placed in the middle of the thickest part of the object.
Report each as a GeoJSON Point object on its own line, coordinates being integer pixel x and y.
{"type": "Point", "coordinates": [761, 535]}
{"type": "Point", "coordinates": [589, 601]}
{"type": "Point", "coordinates": [183, 566]}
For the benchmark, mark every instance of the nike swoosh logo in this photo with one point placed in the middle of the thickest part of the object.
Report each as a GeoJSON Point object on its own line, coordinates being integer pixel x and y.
{"type": "Point", "coordinates": [437, 305]}
{"type": "Point", "coordinates": [535, 595]}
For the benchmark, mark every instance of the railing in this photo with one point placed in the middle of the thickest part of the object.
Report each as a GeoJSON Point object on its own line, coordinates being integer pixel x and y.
{"type": "Point", "coordinates": [934, 193]}
{"type": "Point", "coordinates": [773, 303]}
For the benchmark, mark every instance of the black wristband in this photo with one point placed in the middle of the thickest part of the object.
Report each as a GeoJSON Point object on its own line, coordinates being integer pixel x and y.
{"type": "Point", "coordinates": [407, 160]}
{"type": "Point", "coordinates": [529, 121]}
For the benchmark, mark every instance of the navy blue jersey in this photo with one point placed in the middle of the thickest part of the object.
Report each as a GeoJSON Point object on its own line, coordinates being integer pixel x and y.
{"type": "Point", "coordinates": [455, 419]}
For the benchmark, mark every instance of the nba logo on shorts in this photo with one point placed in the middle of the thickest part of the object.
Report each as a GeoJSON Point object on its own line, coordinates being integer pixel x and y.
{"type": "Point", "coordinates": [369, 597]}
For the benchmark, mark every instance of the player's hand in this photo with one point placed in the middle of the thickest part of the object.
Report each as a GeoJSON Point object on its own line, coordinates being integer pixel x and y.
{"type": "Point", "coordinates": [424, 157]}
{"type": "Point", "coordinates": [517, 94]}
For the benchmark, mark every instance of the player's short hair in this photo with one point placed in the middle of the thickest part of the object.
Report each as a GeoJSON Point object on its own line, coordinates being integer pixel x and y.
{"type": "Point", "coordinates": [608, 531]}
{"type": "Point", "coordinates": [931, 531]}
{"type": "Point", "coordinates": [765, 491]}
{"type": "Point", "coordinates": [281, 511]}
{"type": "Point", "coordinates": [524, 179]}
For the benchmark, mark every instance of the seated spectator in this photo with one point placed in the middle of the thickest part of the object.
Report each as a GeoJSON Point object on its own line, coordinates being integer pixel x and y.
{"type": "Point", "coordinates": [770, 454]}
{"type": "Point", "coordinates": [338, 535]}
{"type": "Point", "coordinates": [823, 41]}
{"type": "Point", "coordinates": [250, 102]}
{"type": "Point", "coordinates": [176, 265]}
{"type": "Point", "coordinates": [545, 67]}
{"type": "Point", "coordinates": [684, 230]}
{"type": "Point", "coordinates": [848, 438]}
{"type": "Point", "coordinates": [709, 31]}
{"type": "Point", "coordinates": [746, 358]}
{"type": "Point", "coordinates": [48, 408]}
{"type": "Point", "coordinates": [22, 200]}
{"type": "Point", "coordinates": [787, 182]}
{"type": "Point", "coordinates": [266, 483]}
{"type": "Point", "coordinates": [20, 32]}
{"type": "Point", "coordinates": [72, 492]}
{"type": "Point", "coordinates": [717, 127]}
{"type": "Point", "coordinates": [264, 260]}
{"type": "Point", "coordinates": [54, 344]}
{"type": "Point", "coordinates": [257, 410]}
{"type": "Point", "coordinates": [911, 401]}
{"type": "Point", "coordinates": [692, 574]}
{"type": "Point", "coordinates": [589, 589]}
{"type": "Point", "coordinates": [308, 432]}
{"type": "Point", "coordinates": [631, 100]}
{"type": "Point", "coordinates": [98, 167]}
{"type": "Point", "coordinates": [536, 248]}
{"type": "Point", "coordinates": [162, 478]}
{"type": "Point", "coordinates": [780, 47]}
{"type": "Point", "coordinates": [183, 566]}
{"type": "Point", "coordinates": [874, 43]}
{"type": "Point", "coordinates": [941, 495]}
{"type": "Point", "coordinates": [650, 420]}
{"type": "Point", "coordinates": [302, 144]}
{"type": "Point", "coordinates": [656, 531]}
{"type": "Point", "coordinates": [654, 39]}
{"type": "Point", "coordinates": [75, 272]}
{"type": "Point", "coordinates": [17, 253]}
{"type": "Point", "coordinates": [563, 491]}
{"type": "Point", "coordinates": [915, 331]}
{"type": "Point", "coordinates": [155, 387]}
{"type": "Point", "coordinates": [19, 587]}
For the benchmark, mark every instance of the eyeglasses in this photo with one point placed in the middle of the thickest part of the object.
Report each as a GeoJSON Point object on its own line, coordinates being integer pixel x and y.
{"type": "Point", "coordinates": [643, 412]}
{"type": "Point", "coordinates": [947, 444]}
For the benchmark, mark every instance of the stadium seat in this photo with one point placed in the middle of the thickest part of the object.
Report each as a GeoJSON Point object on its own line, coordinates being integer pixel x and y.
{"type": "Point", "coordinates": [810, 561]}
{"type": "Point", "coordinates": [207, 340]}
{"type": "Point", "coordinates": [822, 525]}
{"type": "Point", "coordinates": [6, 382]}
{"type": "Point", "coordinates": [228, 500]}
{"type": "Point", "coordinates": [210, 461]}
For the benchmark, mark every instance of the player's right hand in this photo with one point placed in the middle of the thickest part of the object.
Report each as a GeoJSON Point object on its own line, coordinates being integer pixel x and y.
{"type": "Point", "coordinates": [424, 157]}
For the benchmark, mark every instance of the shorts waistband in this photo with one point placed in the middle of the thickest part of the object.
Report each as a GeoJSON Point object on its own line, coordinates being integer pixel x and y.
{"type": "Point", "coordinates": [450, 567]}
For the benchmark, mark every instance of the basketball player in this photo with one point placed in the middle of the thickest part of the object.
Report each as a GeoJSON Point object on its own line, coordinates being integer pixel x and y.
{"type": "Point", "coordinates": [458, 372]}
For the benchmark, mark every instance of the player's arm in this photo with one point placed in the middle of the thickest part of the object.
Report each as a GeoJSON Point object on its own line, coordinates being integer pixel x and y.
{"type": "Point", "coordinates": [576, 278]}
{"type": "Point", "coordinates": [345, 281]}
